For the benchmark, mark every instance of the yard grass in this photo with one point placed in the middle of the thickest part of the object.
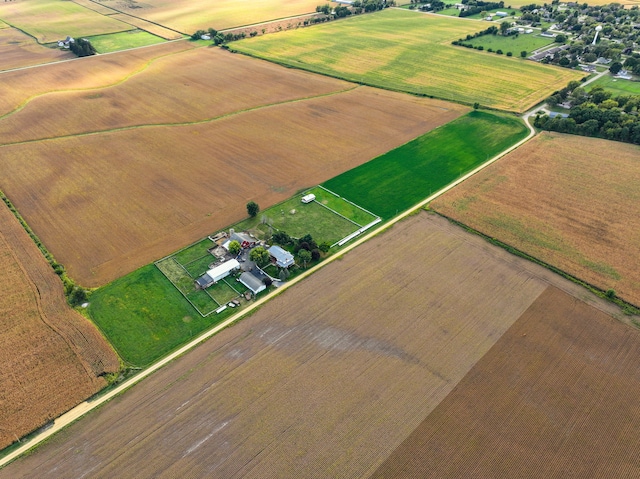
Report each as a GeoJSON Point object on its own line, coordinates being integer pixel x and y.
{"type": "Point", "coordinates": [342, 206]}
{"type": "Point", "coordinates": [144, 316]}
{"type": "Point", "coordinates": [401, 178]}
{"type": "Point", "coordinates": [312, 218]}
{"type": "Point", "coordinates": [200, 266]}
{"type": "Point", "coordinates": [124, 40]}
{"type": "Point", "coordinates": [51, 20]}
{"type": "Point", "coordinates": [410, 51]}
{"type": "Point", "coordinates": [202, 301]}
{"type": "Point", "coordinates": [193, 252]}
{"type": "Point", "coordinates": [617, 86]}
{"type": "Point", "coordinates": [514, 44]}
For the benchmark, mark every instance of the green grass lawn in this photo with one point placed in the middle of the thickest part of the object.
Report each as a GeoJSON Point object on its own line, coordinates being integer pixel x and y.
{"type": "Point", "coordinates": [514, 44]}
{"type": "Point", "coordinates": [616, 85]}
{"type": "Point", "coordinates": [410, 51]}
{"type": "Point", "coordinates": [311, 218]}
{"type": "Point", "coordinates": [145, 317]}
{"type": "Point", "coordinates": [123, 40]}
{"type": "Point", "coordinates": [341, 206]}
{"type": "Point", "coordinates": [401, 178]}
{"type": "Point", "coordinates": [200, 266]}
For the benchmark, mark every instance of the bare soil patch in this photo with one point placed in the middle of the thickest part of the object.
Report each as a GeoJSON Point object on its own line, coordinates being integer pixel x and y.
{"type": "Point", "coordinates": [19, 50]}
{"type": "Point", "coordinates": [136, 195]}
{"type": "Point", "coordinates": [570, 201]}
{"type": "Point", "coordinates": [323, 381]}
{"type": "Point", "coordinates": [51, 358]}
{"type": "Point", "coordinates": [555, 397]}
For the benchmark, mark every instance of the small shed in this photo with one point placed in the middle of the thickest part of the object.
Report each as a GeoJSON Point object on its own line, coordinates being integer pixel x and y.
{"type": "Point", "coordinates": [204, 281]}
{"type": "Point", "coordinates": [252, 282]}
{"type": "Point", "coordinates": [223, 270]}
{"type": "Point", "coordinates": [308, 198]}
{"type": "Point", "coordinates": [282, 258]}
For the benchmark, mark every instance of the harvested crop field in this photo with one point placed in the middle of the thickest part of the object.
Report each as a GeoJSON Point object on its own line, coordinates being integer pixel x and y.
{"type": "Point", "coordinates": [138, 194]}
{"type": "Point", "coordinates": [325, 388]}
{"type": "Point", "coordinates": [410, 51]}
{"type": "Point", "coordinates": [19, 50]}
{"type": "Point", "coordinates": [561, 200]}
{"type": "Point", "coordinates": [51, 20]}
{"type": "Point", "coordinates": [51, 357]}
{"type": "Point", "coordinates": [21, 87]}
{"type": "Point", "coordinates": [180, 88]}
{"type": "Point", "coordinates": [187, 16]}
{"type": "Point", "coordinates": [153, 28]}
{"type": "Point", "coordinates": [554, 398]}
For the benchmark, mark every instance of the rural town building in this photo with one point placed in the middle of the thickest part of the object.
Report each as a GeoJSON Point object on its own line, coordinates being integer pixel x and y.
{"type": "Point", "coordinates": [282, 258]}
{"type": "Point", "coordinates": [252, 282]}
{"type": "Point", "coordinates": [216, 274]}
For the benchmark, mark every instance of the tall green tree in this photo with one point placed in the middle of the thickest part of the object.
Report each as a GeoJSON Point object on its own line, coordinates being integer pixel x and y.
{"type": "Point", "coordinates": [252, 208]}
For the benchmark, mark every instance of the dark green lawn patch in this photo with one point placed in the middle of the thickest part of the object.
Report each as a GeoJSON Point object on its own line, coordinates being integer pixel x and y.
{"type": "Point", "coordinates": [145, 317]}
{"type": "Point", "coordinates": [401, 178]}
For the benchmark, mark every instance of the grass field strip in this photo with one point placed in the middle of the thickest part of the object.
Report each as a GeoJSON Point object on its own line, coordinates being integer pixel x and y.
{"type": "Point", "coordinates": [335, 212]}
{"type": "Point", "coordinates": [163, 125]}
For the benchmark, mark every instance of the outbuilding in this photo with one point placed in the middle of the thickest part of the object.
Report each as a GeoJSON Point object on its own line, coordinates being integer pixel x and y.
{"type": "Point", "coordinates": [308, 198]}
{"type": "Point", "coordinates": [281, 257]}
{"type": "Point", "coordinates": [216, 274]}
{"type": "Point", "coordinates": [252, 282]}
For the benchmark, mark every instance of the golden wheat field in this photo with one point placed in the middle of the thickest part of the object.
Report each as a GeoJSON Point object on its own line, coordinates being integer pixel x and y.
{"type": "Point", "coordinates": [570, 201]}
{"type": "Point", "coordinates": [51, 357]}
{"type": "Point", "coordinates": [19, 50]}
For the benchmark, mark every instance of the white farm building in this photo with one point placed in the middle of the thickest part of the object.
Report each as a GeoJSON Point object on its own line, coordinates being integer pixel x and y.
{"type": "Point", "coordinates": [216, 274]}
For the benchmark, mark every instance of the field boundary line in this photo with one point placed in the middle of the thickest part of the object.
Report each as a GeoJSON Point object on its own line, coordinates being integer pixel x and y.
{"type": "Point", "coordinates": [84, 407]}
{"type": "Point", "coordinates": [127, 77]}
{"type": "Point", "coordinates": [224, 116]}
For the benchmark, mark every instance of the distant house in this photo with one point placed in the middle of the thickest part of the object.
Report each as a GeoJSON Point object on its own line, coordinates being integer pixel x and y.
{"type": "Point", "coordinates": [603, 61]}
{"type": "Point", "coordinates": [66, 43]}
{"type": "Point", "coordinates": [206, 36]}
{"type": "Point", "coordinates": [528, 30]}
{"type": "Point", "coordinates": [281, 257]}
{"type": "Point", "coordinates": [216, 274]}
{"type": "Point", "coordinates": [501, 14]}
{"type": "Point", "coordinates": [253, 282]}
{"type": "Point", "coordinates": [553, 114]}
{"type": "Point", "coordinates": [624, 75]}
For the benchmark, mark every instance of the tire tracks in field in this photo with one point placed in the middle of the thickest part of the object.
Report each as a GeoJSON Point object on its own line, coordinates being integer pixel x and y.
{"type": "Point", "coordinates": [223, 116]}
{"type": "Point", "coordinates": [21, 106]}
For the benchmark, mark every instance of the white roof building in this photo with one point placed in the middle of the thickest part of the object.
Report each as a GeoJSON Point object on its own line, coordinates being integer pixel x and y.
{"type": "Point", "coordinates": [223, 270]}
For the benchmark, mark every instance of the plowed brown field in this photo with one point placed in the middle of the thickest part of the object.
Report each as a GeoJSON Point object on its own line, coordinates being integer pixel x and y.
{"type": "Point", "coordinates": [556, 397]}
{"type": "Point", "coordinates": [19, 50]}
{"type": "Point", "coordinates": [324, 381]}
{"type": "Point", "coordinates": [109, 202]}
{"type": "Point", "coordinates": [570, 201]}
{"type": "Point", "coordinates": [51, 358]}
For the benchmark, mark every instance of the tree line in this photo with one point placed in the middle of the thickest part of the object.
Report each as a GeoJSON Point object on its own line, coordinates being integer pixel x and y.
{"type": "Point", "coordinates": [596, 113]}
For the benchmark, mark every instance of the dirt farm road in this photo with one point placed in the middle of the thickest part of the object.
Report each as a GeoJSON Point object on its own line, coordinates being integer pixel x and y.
{"type": "Point", "coordinates": [83, 408]}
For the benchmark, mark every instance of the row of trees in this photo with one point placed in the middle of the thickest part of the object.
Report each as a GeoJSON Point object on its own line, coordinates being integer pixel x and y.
{"type": "Point", "coordinates": [595, 113]}
{"type": "Point", "coordinates": [82, 47]}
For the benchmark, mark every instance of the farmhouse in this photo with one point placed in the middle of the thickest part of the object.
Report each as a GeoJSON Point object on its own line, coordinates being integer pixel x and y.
{"type": "Point", "coordinates": [281, 257]}
{"type": "Point", "coordinates": [253, 282]}
{"type": "Point", "coordinates": [216, 274]}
